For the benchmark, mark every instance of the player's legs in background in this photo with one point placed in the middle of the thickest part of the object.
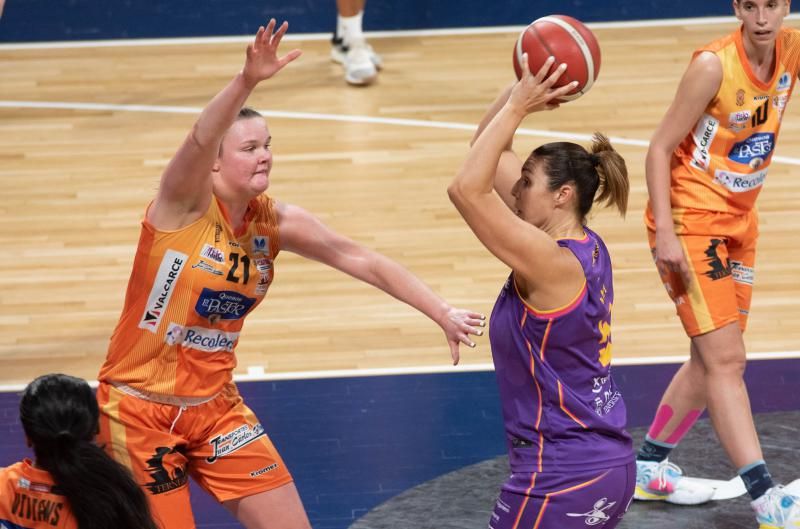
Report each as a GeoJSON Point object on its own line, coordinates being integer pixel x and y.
{"type": "Point", "coordinates": [350, 48]}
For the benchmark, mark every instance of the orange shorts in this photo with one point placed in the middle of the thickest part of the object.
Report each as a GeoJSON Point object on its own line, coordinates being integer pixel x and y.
{"type": "Point", "coordinates": [720, 249]}
{"type": "Point", "coordinates": [220, 443]}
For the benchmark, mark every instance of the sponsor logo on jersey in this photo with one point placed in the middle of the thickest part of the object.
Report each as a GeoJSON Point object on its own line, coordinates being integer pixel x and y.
{"type": "Point", "coordinates": [261, 244]}
{"type": "Point", "coordinates": [740, 116]}
{"type": "Point", "coordinates": [205, 267]}
{"type": "Point", "coordinates": [230, 442]}
{"type": "Point", "coordinates": [717, 269]}
{"type": "Point", "coordinates": [739, 120]}
{"type": "Point", "coordinates": [741, 273]}
{"type": "Point", "coordinates": [704, 134]}
{"type": "Point", "coordinates": [217, 232]}
{"type": "Point", "coordinates": [158, 466]}
{"type": "Point", "coordinates": [270, 468]}
{"type": "Point", "coordinates": [784, 82]}
{"type": "Point", "coordinates": [263, 285]}
{"type": "Point", "coordinates": [263, 264]}
{"type": "Point", "coordinates": [201, 338]}
{"type": "Point", "coordinates": [739, 182]}
{"type": "Point", "coordinates": [603, 404]}
{"type": "Point", "coordinates": [215, 254]}
{"type": "Point", "coordinates": [739, 97]}
{"type": "Point", "coordinates": [167, 276]}
{"type": "Point", "coordinates": [779, 101]}
{"type": "Point", "coordinates": [225, 304]}
{"type": "Point", "coordinates": [597, 514]}
{"type": "Point", "coordinates": [757, 146]}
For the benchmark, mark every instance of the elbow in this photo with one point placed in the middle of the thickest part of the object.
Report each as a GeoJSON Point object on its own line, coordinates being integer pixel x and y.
{"type": "Point", "coordinates": [661, 146]}
{"type": "Point", "coordinates": [454, 192]}
{"type": "Point", "coordinates": [198, 140]}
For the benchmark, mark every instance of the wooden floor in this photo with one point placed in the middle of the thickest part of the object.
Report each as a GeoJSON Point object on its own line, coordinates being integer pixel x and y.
{"type": "Point", "coordinates": [76, 181]}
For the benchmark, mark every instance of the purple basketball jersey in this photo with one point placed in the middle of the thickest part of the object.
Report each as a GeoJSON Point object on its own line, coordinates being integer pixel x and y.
{"type": "Point", "coordinates": [561, 408]}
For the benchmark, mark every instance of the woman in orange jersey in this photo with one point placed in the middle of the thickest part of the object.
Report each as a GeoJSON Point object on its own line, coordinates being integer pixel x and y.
{"type": "Point", "coordinates": [705, 167]}
{"type": "Point", "coordinates": [72, 484]}
{"type": "Point", "coordinates": [205, 259]}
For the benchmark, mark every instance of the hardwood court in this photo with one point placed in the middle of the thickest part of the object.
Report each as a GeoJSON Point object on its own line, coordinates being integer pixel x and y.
{"type": "Point", "coordinates": [76, 182]}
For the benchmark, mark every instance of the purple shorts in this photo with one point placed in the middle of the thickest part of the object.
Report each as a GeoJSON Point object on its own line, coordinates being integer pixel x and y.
{"type": "Point", "coordinates": [575, 500]}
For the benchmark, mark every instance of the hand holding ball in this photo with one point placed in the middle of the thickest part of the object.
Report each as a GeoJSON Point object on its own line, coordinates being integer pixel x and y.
{"type": "Point", "coordinates": [570, 42]}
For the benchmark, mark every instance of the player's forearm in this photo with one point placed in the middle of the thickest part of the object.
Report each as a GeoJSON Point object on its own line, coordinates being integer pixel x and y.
{"type": "Point", "coordinates": [476, 175]}
{"type": "Point", "coordinates": [491, 112]}
{"type": "Point", "coordinates": [220, 113]}
{"type": "Point", "coordinates": [400, 283]}
{"type": "Point", "coordinates": [658, 187]}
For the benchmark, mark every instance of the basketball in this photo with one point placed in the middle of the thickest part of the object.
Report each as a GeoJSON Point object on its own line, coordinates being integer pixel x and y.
{"type": "Point", "coordinates": [570, 42]}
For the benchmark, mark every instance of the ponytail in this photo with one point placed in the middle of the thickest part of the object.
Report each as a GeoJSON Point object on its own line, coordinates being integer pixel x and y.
{"type": "Point", "coordinates": [602, 169]}
{"type": "Point", "coordinates": [59, 414]}
{"type": "Point", "coordinates": [101, 492]}
{"type": "Point", "coordinates": [613, 173]}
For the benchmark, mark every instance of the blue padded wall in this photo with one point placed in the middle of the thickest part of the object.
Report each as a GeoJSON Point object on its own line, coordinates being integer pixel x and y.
{"type": "Point", "coordinates": [55, 20]}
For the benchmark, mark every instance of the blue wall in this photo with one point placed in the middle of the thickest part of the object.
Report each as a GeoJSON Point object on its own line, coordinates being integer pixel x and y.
{"type": "Point", "coordinates": [48, 20]}
{"type": "Point", "coordinates": [353, 443]}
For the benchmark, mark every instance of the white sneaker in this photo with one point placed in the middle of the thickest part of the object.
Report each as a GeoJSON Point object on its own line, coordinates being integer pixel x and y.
{"type": "Point", "coordinates": [664, 482]}
{"type": "Point", "coordinates": [339, 52]}
{"type": "Point", "coordinates": [777, 508]}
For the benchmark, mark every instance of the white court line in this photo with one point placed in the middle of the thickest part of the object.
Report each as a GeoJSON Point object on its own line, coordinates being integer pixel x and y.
{"type": "Point", "coordinates": [311, 116]}
{"type": "Point", "coordinates": [184, 41]}
{"type": "Point", "coordinates": [262, 376]}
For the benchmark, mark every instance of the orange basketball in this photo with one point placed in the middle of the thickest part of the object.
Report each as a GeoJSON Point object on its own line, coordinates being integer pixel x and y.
{"type": "Point", "coordinates": [570, 42]}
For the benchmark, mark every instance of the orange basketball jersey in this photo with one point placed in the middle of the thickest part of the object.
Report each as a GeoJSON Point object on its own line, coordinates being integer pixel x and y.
{"type": "Point", "coordinates": [723, 162]}
{"type": "Point", "coordinates": [29, 499]}
{"type": "Point", "coordinates": [187, 298]}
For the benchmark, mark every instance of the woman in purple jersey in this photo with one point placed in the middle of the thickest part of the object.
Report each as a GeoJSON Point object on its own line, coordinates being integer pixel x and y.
{"type": "Point", "coordinates": [571, 459]}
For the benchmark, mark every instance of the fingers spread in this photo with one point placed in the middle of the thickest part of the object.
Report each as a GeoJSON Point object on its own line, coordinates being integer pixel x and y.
{"type": "Point", "coordinates": [289, 57]}
{"type": "Point", "coordinates": [259, 36]}
{"type": "Point", "coordinates": [554, 77]}
{"type": "Point", "coordinates": [542, 73]}
{"type": "Point", "coordinates": [276, 38]}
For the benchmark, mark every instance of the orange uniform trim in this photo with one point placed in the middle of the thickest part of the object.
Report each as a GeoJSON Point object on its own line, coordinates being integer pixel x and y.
{"type": "Point", "coordinates": [557, 312]}
{"type": "Point", "coordinates": [525, 501]}
{"type": "Point", "coordinates": [564, 491]}
{"type": "Point", "coordinates": [538, 391]}
{"type": "Point", "coordinates": [563, 407]}
{"type": "Point", "coordinates": [544, 339]}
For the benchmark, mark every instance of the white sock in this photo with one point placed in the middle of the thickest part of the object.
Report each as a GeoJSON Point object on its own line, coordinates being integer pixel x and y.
{"type": "Point", "coordinates": [349, 28]}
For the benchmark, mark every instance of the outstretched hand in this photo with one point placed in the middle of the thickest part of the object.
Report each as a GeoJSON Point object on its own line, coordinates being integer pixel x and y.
{"type": "Point", "coordinates": [262, 55]}
{"type": "Point", "coordinates": [533, 93]}
{"type": "Point", "coordinates": [457, 325]}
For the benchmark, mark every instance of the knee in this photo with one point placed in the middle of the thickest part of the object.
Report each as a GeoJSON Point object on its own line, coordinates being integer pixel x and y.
{"type": "Point", "coordinates": [729, 365]}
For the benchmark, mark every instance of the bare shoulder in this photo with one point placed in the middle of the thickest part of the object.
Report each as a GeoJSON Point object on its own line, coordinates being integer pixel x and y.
{"type": "Point", "coordinates": [299, 229]}
{"type": "Point", "coordinates": [701, 81]}
{"type": "Point", "coordinates": [706, 65]}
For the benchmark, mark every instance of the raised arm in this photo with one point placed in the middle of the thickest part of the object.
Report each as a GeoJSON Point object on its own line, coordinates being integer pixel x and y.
{"type": "Point", "coordinates": [525, 248]}
{"type": "Point", "coordinates": [304, 234]}
{"type": "Point", "coordinates": [186, 187]}
{"type": "Point", "coordinates": [698, 87]}
{"type": "Point", "coordinates": [509, 165]}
